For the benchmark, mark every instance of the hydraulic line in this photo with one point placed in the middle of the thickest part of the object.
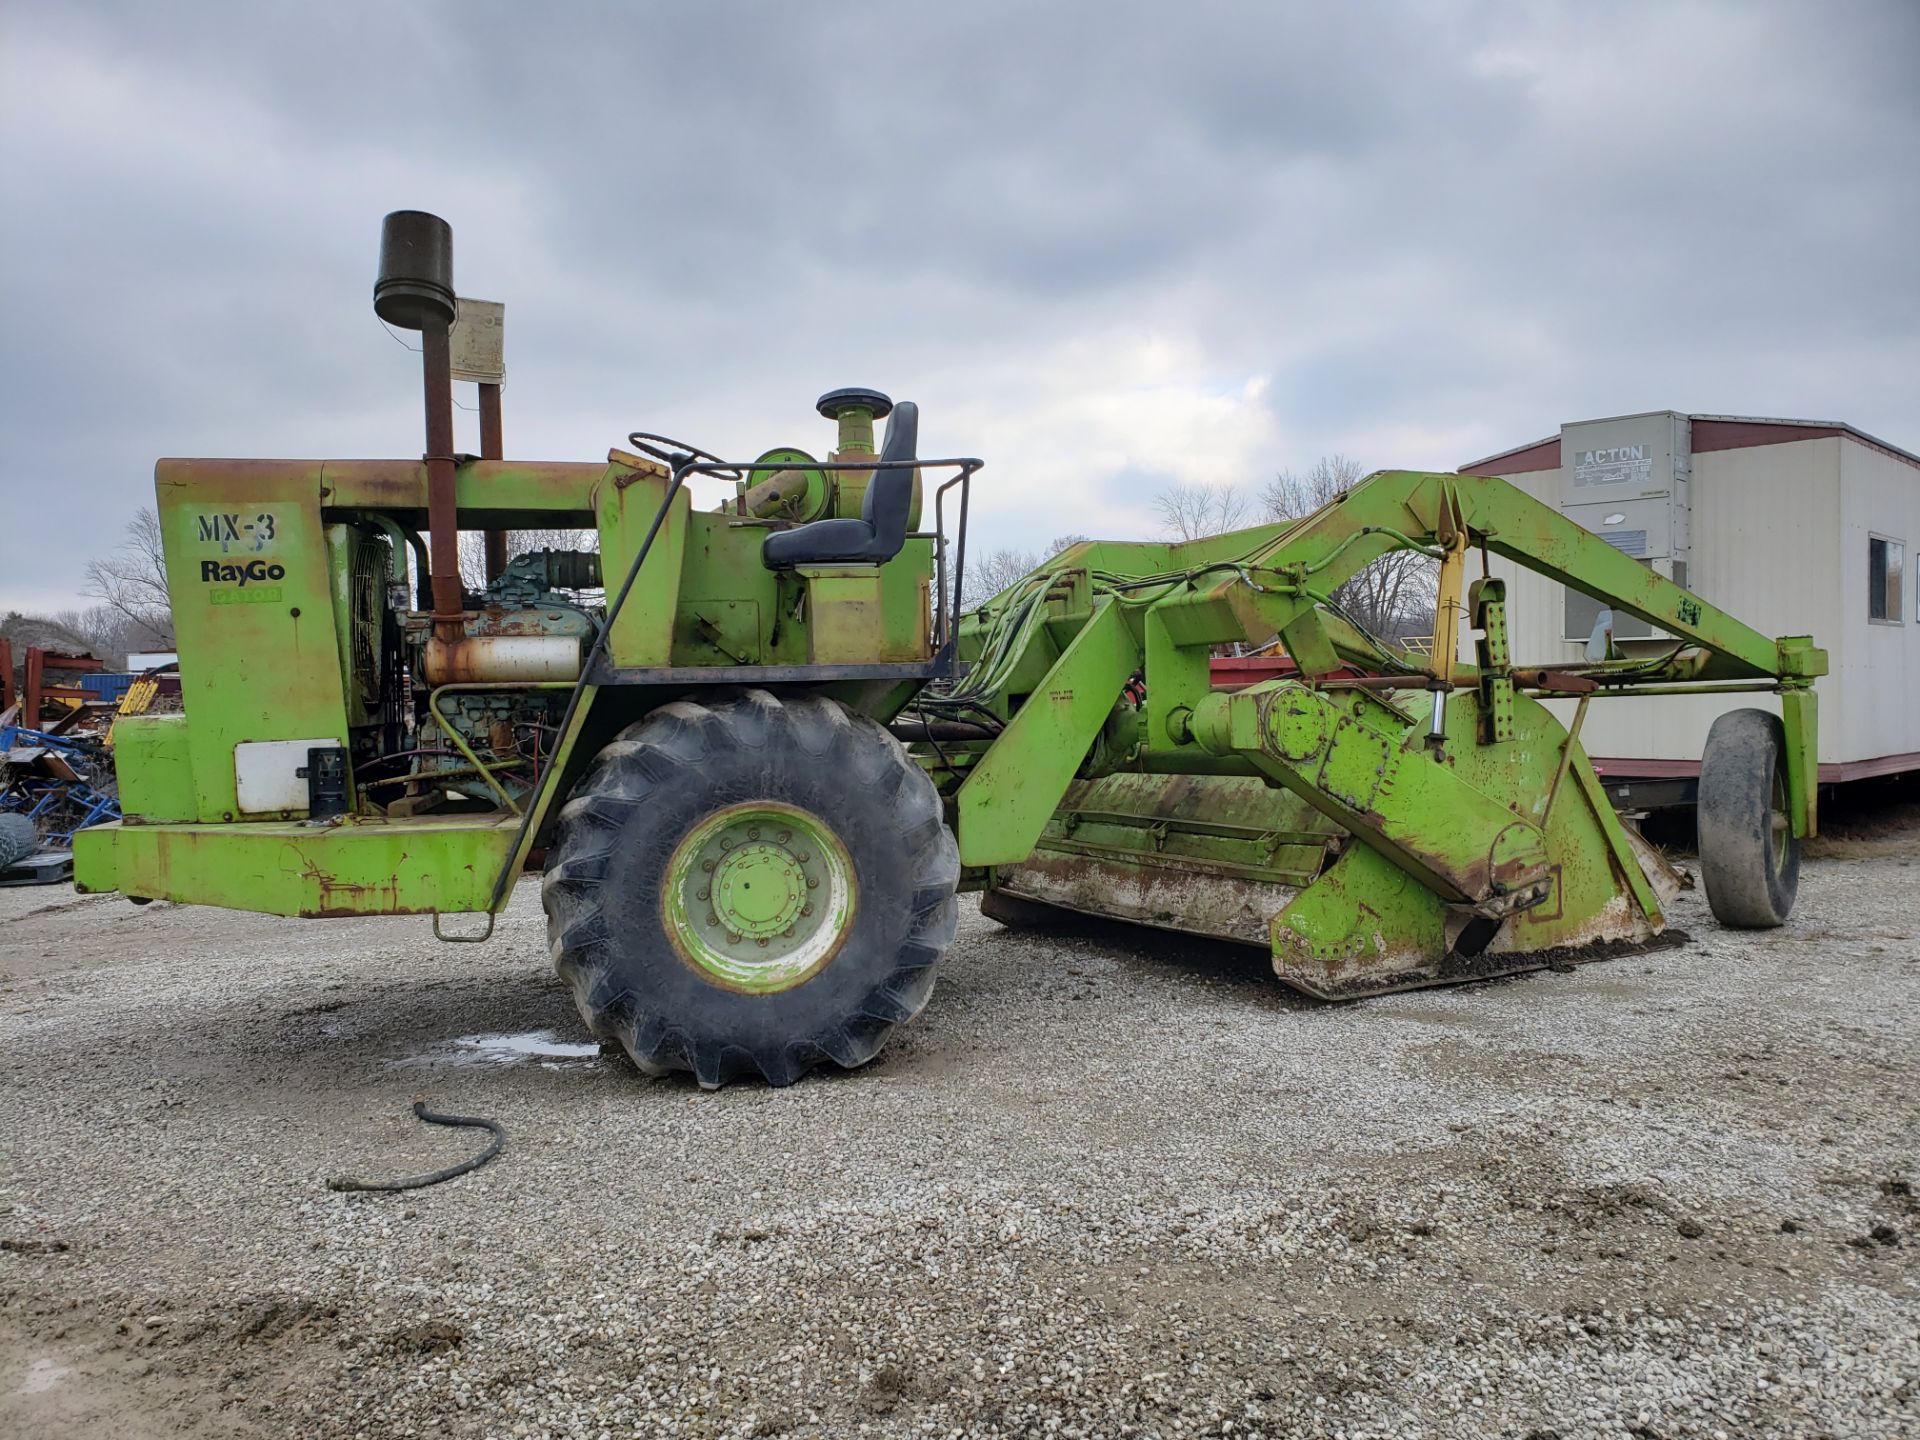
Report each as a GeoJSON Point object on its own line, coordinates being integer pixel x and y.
{"type": "Point", "coordinates": [1012, 623]}
{"type": "Point", "coordinates": [416, 1182]}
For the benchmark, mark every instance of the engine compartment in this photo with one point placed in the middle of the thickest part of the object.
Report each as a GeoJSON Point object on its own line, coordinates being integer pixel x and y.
{"type": "Point", "coordinates": [468, 723]}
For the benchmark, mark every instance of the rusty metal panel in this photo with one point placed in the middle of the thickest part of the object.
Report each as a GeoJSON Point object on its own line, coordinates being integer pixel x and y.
{"type": "Point", "coordinates": [1206, 855]}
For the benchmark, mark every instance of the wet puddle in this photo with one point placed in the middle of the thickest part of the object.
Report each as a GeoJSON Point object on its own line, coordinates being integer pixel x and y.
{"type": "Point", "coordinates": [532, 1047]}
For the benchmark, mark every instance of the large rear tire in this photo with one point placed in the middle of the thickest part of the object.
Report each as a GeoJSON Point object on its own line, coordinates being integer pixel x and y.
{"type": "Point", "coordinates": [1749, 855]}
{"type": "Point", "coordinates": [753, 884]}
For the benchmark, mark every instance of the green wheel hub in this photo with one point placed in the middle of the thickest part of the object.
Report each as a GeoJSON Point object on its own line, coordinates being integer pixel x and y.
{"type": "Point", "coordinates": [759, 896]}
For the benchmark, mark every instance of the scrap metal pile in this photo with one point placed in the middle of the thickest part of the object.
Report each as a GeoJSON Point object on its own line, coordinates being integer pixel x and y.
{"type": "Point", "coordinates": [56, 755]}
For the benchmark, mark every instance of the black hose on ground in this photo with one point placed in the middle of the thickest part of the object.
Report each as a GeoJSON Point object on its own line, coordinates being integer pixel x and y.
{"type": "Point", "coordinates": [415, 1182]}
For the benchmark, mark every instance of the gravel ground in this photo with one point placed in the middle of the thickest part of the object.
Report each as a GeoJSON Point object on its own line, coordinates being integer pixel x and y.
{"type": "Point", "coordinates": [1111, 1183]}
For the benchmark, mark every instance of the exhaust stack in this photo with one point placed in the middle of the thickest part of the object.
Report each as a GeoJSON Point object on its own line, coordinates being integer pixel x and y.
{"type": "Point", "coordinates": [414, 291]}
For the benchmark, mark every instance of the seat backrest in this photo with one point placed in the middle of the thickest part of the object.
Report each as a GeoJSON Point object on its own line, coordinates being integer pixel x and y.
{"type": "Point", "coordinates": [890, 491]}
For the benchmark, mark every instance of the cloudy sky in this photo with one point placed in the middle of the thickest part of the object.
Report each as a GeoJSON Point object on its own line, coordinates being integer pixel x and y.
{"type": "Point", "coordinates": [1103, 245]}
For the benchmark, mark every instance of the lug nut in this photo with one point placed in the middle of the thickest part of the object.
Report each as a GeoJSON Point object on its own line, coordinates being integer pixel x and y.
{"type": "Point", "coordinates": [753, 833]}
{"type": "Point", "coordinates": [804, 857]}
{"type": "Point", "coordinates": [703, 894]}
{"type": "Point", "coordinates": [732, 939]}
{"type": "Point", "coordinates": [761, 943]}
{"type": "Point", "coordinates": [812, 884]}
{"type": "Point", "coordinates": [784, 836]}
{"type": "Point", "coordinates": [806, 909]}
{"type": "Point", "coordinates": [712, 919]}
{"type": "Point", "coordinates": [789, 932]}
{"type": "Point", "coordinates": [706, 865]}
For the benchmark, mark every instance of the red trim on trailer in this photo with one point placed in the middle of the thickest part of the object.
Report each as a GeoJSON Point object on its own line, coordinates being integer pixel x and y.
{"type": "Point", "coordinates": [1644, 769]}
{"type": "Point", "coordinates": [1545, 455]}
{"type": "Point", "coordinates": [1708, 433]}
{"type": "Point", "coordinates": [1725, 432]}
{"type": "Point", "coordinates": [1745, 434]}
{"type": "Point", "coordinates": [1831, 772]}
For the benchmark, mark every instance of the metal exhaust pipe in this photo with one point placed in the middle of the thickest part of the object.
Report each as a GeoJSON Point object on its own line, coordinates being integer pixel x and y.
{"type": "Point", "coordinates": [491, 449]}
{"type": "Point", "coordinates": [414, 290]}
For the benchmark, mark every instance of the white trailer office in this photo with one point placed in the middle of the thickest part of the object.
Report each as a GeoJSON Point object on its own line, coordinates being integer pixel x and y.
{"type": "Point", "coordinates": [1796, 527]}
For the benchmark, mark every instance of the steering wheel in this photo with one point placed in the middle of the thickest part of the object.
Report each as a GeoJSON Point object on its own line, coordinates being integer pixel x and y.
{"type": "Point", "coordinates": [672, 453]}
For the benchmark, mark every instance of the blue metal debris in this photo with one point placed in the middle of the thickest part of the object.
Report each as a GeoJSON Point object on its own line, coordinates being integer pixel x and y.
{"type": "Point", "coordinates": [109, 686]}
{"type": "Point", "coordinates": [52, 780]}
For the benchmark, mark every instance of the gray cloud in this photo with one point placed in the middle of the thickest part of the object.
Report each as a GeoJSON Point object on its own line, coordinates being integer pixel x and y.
{"type": "Point", "coordinates": [1097, 242]}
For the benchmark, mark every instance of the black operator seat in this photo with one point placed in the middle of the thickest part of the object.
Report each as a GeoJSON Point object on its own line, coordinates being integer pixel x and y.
{"type": "Point", "coordinates": [882, 527]}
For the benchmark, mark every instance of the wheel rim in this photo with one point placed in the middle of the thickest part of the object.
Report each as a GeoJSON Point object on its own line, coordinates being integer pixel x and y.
{"type": "Point", "coordinates": [1779, 825]}
{"type": "Point", "coordinates": [759, 896]}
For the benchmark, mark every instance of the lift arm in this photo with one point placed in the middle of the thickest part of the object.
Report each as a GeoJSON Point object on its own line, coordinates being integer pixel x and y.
{"type": "Point", "coordinates": [1248, 587]}
{"type": "Point", "coordinates": [1400, 509]}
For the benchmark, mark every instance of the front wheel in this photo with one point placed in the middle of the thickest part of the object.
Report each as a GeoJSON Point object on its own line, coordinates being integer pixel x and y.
{"type": "Point", "coordinates": [1749, 855]}
{"type": "Point", "coordinates": [759, 883]}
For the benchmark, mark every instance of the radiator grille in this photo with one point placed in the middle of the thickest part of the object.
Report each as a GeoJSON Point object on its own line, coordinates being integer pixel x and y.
{"type": "Point", "coordinates": [368, 562]}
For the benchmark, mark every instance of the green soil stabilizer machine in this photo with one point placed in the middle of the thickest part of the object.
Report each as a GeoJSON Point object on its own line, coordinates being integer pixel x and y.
{"type": "Point", "coordinates": [756, 753]}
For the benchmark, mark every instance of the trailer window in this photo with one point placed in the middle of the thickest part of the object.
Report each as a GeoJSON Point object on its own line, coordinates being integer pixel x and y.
{"type": "Point", "coordinates": [1886, 567]}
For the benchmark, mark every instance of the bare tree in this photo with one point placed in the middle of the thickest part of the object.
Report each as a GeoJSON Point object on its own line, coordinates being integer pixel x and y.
{"type": "Point", "coordinates": [1192, 512]}
{"type": "Point", "coordinates": [987, 575]}
{"type": "Point", "coordinates": [133, 580]}
{"type": "Point", "coordinates": [1393, 597]}
{"type": "Point", "coordinates": [1289, 496]}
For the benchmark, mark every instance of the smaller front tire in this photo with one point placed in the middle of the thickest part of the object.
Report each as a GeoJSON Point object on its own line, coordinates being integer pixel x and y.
{"type": "Point", "coordinates": [1749, 855]}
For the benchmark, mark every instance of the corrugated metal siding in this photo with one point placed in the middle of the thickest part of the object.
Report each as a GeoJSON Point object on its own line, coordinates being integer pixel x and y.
{"type": "Point", "coordinates": [106, 686]}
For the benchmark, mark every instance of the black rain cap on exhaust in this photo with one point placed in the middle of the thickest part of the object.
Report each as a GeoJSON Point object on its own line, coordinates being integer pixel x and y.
{"type": "Point", "coordinates": [415, 286]}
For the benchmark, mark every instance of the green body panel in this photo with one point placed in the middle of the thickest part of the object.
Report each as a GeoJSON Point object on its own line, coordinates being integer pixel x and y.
{"type": "Point", "coordinates": [1005, 801]}
{"type": "Point", "coordinates": [420, 866]}
{"type": "Point", "coordinates": [1363, 920]}
{"type": "Point", "coordinates": [1619, 851]}
{"type": "Point", "coordinates": [860, 614]}
{"type": "Point", "coordinates": [1801, 719]}
{"type": "Point", "coordinates": [154, 763]}
{"type": "Point", "coordinates": [250, 579]}
{"type": "Point", "coordinates": [644, 632]}
{"type": "Point", "coordinates": [1380, 784]}
{"type": "Point", "coordinates": [507, 493]}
